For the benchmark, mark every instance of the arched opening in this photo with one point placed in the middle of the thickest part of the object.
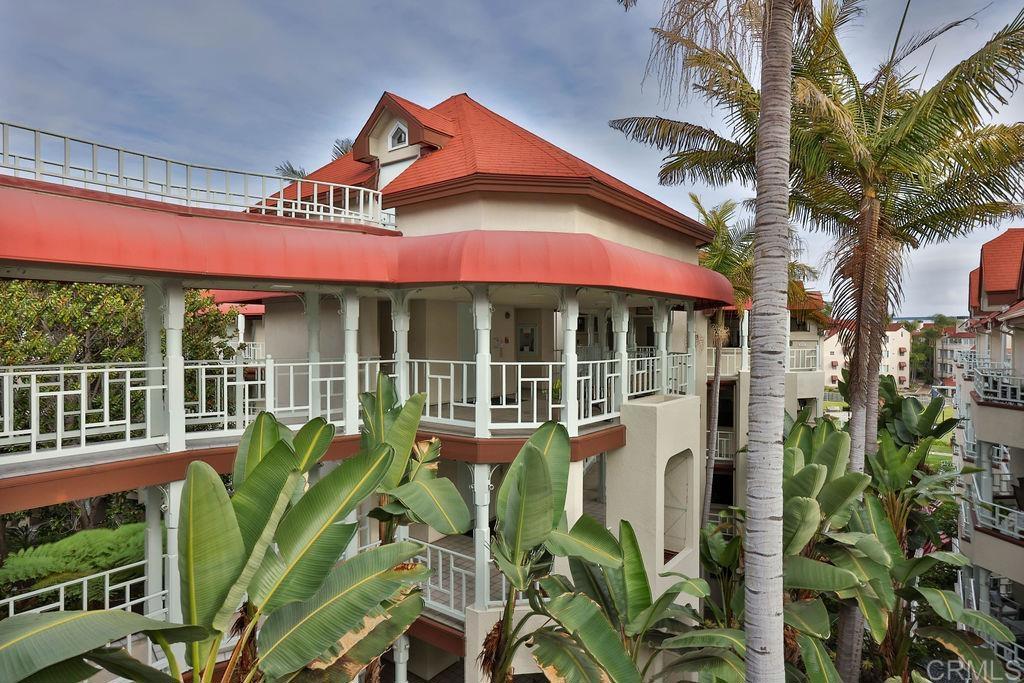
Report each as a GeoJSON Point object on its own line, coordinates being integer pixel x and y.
{"type": "Point", "coordinates": [678, 503]}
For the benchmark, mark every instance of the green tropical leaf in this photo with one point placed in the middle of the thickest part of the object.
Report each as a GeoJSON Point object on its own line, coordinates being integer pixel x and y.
{"type": "Point", "coordinates": [841, 492]}
{"type": "Point", "coordinates": [817, 660]}
{"type": "Point", "coordinates": [946, 604]}
{"type": "Point", "coordinates": [808, 574]}
{"type": "Point", "coordinates": [905, 570]}
{"type": "Point", "coordinates": [983, 664]}
{"type": "Point", "coordinates": [211, 553]}
{"type": "Point", "coordinates": [299, 632]}
{"type": "Point", "coordinates": [877, 524]}
{"type": "Point", "coordinates": [834, 454]}
{"type": "Point", "coordinates": [792, 462]}
{"type": "Point", "coordinates": [32, 642]}
{"type": "Point", "coordinates": [582, 617]}
{"type": "Point", "coordinates": [808, 616]}
{"type": "Point", "coordinates": [875, 614]}
{"type": "Point", "coordinates": [728, 638]}
{"type": "Point", "coordinates": [987, 624]}
{"type": "Point", "coordinates": [310, 537]}
{"type": "Point", "coordinates": [74, 669]}
{"type": "Point", "coordinates": [258, 438]}
{"type": "Point", "coordinates": [562, 660]}
{"type": "Point", "coordinates": [588, 539]}
{"type": "Point", "coordinates": [633, 576]}
{"type": "Point", "coordinates": [401, 436]}
{"type": "Point", "coordinates": [806, 483]}
{"type": "Point", "coordinates": [712, 663]}
{"type": "Point", "coordinates": [525, 521]}
{"type": "Point", "coordinates": [312, 442]}
{"type": "Point", "coordinates": [800, 520]}
{"type": "Point", "coordinates": [437, 502]}
{"type": "Point", "coordinates": [120, 663]}
{"type": "Point", "coordinates": [551, 441]}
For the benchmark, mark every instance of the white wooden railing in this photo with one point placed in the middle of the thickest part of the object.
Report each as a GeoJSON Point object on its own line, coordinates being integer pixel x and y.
{"type": "Point", "coordinates": [598, 390]}
{"type": "Point", "coordinates": [644, 376]}
{"type": "Point", "coordinates": [525, 394]}
{"type": "Point", "coordinates": [803, 359]}
{"type": "Point", "coordinates": [52, 157]}
{"type": "Point", "coordinates": [450, 386]}
{"type": "Point", "coordinates": [58, 410]}
{"type": "Point", "coordinates": [679, 371]}
{"type": "Point", "coordinates": [726, 445]}
{"type": "Point", "coordinates": [449, 587]}
{"type": "Point", "coordinates": [996, 384]}
{"type": "Point", "coordinates": [1000, 518]}
{"type": "Point", "coordinates": [253, 351]}
{"type": "Point", "coordinates": [732, 359]}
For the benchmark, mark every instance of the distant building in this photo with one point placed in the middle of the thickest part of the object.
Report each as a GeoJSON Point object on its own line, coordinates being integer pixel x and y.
{"type": "Point", "coordinates": [895, 355]}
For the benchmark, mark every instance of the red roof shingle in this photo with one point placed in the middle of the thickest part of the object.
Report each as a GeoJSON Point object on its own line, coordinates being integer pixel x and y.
{"type": "Point", "coordinates": [1001, 262]}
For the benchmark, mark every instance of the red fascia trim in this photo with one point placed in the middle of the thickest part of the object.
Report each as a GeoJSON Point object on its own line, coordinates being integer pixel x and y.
{"type": "Point", "coordinates": [62, 226]}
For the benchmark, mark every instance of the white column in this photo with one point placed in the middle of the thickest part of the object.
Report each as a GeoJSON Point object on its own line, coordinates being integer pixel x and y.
{"type": "Point", "coordinates": [174, 321]}
{"type": "Point", "coordinates": [620, 326]}
{"type": "Point", "coordinates": [574, 493]}
{"type": "Point", "coordinates": [311, 300]}
{"type": "Point", "coordinates": [983, 479]}
{"type": "Point", "coordinates": [400, 326]}
{"type": "Point", "coordinates": [691, 349]}
{"type": "Point", "coordinates": [661, 343]}
{"type": "Point", "coordinates": [153, 328]}
{"type": "Point", "coordinates": [744, 340]}
{"type": "Point", "coordinates": [570, 317]}
{"type": "Point", "coordinates": [984, 599]}
{"type": "Point", "coordinates": [602, 333]}
{"type": "Point", "coordinates": [350, 327]}
{"type": "Point", "coordinates": [400, 654]}
{"type": "Point", "coordinates": [153, 500]}
{"type": "Point", "coordinates": [172, 520]}
{"type": "Point", "coordinates": [789, 344]}
{"type": "Point", "coordinates": [270, 386]}
{"type": "Point", "coordinates": [482, 329]}
{"type": "Point", "coordinates": [481, 535]}
{"type": "Point", "coordinates": [353, 546]}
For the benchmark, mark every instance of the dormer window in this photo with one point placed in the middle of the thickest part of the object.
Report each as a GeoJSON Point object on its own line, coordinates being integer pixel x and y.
{"type": "Point", "coordinates": [399, 136]}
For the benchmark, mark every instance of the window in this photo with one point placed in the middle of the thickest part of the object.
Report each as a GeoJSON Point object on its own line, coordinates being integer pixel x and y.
{"type": "Point", "coordinates": [399, 136]}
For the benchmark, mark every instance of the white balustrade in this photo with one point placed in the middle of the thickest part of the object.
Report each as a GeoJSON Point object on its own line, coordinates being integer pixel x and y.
{"type": "Point", "coordinates": [643, 351]}
{"type": "Point", "coordinates": [726, 445]}
{"type": "Point", "coordinates": [51, 157]}
{"type": "Point", "coordinates": [597, 382]}
{"type": "Point", "coordinates": [369, 368]}
{"type": "Point", "coordinates": [803, 359]}
{"type": "Point", "coordinates": [678, 367]}
{"type": "Point", "coordinates": [643, 374]}
{"type": "Point", "coordinates": [997, 385]}
{"type": "Point", "coordinates": [65, 409]}
{"type": "Point", "coordinates": [999, 518]}
{"type": "Point", "coordinates": [525, 394]}
{"type": "Point", "coordinates": [732, 359]}
{"type": "Point", "coordinates": [449, 587]}
{"type": "Point", "coordinates": [253, 351]}
{"type": "Point", "coordinates": [450, 388]}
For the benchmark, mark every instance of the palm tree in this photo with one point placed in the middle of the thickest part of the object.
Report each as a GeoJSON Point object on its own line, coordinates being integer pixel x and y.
{"type": "Point", "coordinates": [878, 164]}
{"type": "Point", "coordinates": [736, 26]}
{"type": "Point", "coordinates": [340, 148]}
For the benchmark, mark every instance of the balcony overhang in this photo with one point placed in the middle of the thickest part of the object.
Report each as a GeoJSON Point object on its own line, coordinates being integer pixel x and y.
{"type": "Point", "coordinates": [47, 225]}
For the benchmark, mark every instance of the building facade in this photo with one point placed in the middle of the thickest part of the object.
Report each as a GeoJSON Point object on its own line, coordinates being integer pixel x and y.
{"type": "Point", "coordinates": [990, 404]}
{"type": "Point", "coordinates": [895, 355]}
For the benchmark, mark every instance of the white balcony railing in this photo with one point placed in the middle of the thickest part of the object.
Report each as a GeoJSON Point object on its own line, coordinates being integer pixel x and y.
{"type": "Point", "coordinates": [803, 359]}
{"type": "Point", "coordinates": [732, 359]}
{"type": "Point", "coordinates": [51, 157]}
{"type": "Point", "coordinates": [253, 350]}
{"type": "Point", "coordinates": [449, 588]}
{"type": "Point", "coordinates": [999, 518]}
{"type": "Point", "coordinates": [64, 410]}
{"type": "Point", "coordinates": [726, 445]}
{"type": "Point", "coordinates": [999, 386]}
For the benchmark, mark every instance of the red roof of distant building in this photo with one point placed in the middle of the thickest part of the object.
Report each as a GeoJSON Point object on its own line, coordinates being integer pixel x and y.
{"type": "Point", "coordinates": [975, 291]}
{"type": "Point", "coordinates": [244, 309]}
{"type": "Point", "coordinates": [948, 382]}
{"type": "Point", "coordinates": [1002, 259]}
{"type": "Point", "coordinates": [1015, 311]}
{"type": "Point", "coordinates": [478, 149]}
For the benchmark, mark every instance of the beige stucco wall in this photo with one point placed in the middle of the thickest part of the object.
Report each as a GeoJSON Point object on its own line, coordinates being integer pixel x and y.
{"type": "Point", "coordinates": [998, 425]}
{"type": "Point", "coordinates": [996, 555]}
{"type": "Point", "coordinates": [284, 329]}
{"type": "Point", "coordinates": [541, 212]}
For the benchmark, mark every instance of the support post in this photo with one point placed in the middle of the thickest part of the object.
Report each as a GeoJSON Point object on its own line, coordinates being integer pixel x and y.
{"type": "Point", "coordinates": [153, 324]}
{"type": "Point", "coordinates": [311, 301]}
{"type": "Point", "coordinates": [400, 653]}
{"type": "Point", "coordinates": [570, 319]}
{"type": "Point", "coordinates": [350, 326]}
{"type": "Point", "coordinates": [270, 385]}
{"type": "Point", "coordinates": [172, 521]}
{"type": "Point", "coordinates": [982, 582]}
{"type": "Point", "coordinates": [482, 329]}
{"type": "Point", "coordinates": [744, 340]}
{"type": "Point", "coordinates": [481, 535]}
{"type": "Point", "coordinates": [153, 500]}
{"type": "Point", "coordinates": [983, 453]}
{"type": "Point", "coordinates": [691, 349]}
{"type": "Point", "coordinates": [574, 493]}
{"type": "Point", "coordinates": [620, 326]}
{"type": "Point", "coordinates": [400, 327]}
{"type": "Point", "coordinates": [174, 321]}
{"type": "Point", "coordinates": [661, 344]}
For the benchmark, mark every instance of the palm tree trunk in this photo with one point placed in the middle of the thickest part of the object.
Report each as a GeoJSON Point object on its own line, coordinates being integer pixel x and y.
{"type": "Point", "coordinates": [769, 320]}
{"type": "Point", "coordinates": [712, 449]}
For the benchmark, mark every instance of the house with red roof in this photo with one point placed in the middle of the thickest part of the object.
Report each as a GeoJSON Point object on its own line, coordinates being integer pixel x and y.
{"type": "Point", "coordinates": [895, 354]}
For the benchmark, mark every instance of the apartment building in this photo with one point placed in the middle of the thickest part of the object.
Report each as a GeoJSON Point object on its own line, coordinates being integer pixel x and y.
{"type": "Point", "coordinates": [990, 402]}
{"type": "Point", "coordinates": [506, 279]}
{"type": "Point", "coordinates": [895, 355]}
{"type": "Point", "coordinates": [949, 348]}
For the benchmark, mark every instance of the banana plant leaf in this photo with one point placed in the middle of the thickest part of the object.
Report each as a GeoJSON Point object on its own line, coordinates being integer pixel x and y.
{"type": "Point", "coordinates": [312, 442]}
{"type": "Point", "coordinates": [983, 664]}
{"type": "Point", "coordinates": [437, 502]}
{"type": "Point", "coordinates": [257, 440]}
{"type": "Point", "coordinates": [562, 660]}
{"type": "Point", "coordinates": [817, 660]}
{"type": "Point", "coordinates": [525, 519]}
{"type": "Point", "coordinates": [588, 539]}
{"type": "Point", "coordinates": [808, 616]}
{"type": "Point", "coordinates": [582, 617]}
{"type": "Point", "coordinates": [808, 574]}
{"type": "Point", "coordinates": [551, 442]}
{"type": "Point", "coordinates": [800, 520]}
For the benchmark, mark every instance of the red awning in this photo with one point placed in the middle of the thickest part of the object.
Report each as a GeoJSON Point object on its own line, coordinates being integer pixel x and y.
{"type": "Point", "coordinates": [46, 224]}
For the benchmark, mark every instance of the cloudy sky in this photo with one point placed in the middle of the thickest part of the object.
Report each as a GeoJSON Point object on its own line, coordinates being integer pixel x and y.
{"type": "Point", "coordinates": [248, 84]}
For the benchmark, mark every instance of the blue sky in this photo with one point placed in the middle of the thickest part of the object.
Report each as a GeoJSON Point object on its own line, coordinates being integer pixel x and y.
{"type": "Point", "coordinates": [248, 84]}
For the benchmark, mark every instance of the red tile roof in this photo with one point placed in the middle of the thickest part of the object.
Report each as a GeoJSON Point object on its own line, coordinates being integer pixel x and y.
{"type": "Point", "coordinates": [1001, 262]}
{"type": "Point", "coordinates": [975, 290]}
{"type": "Point", "coordinates": [485, 145]}
{"type": "Point", "coordinates": [1014, 311]}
